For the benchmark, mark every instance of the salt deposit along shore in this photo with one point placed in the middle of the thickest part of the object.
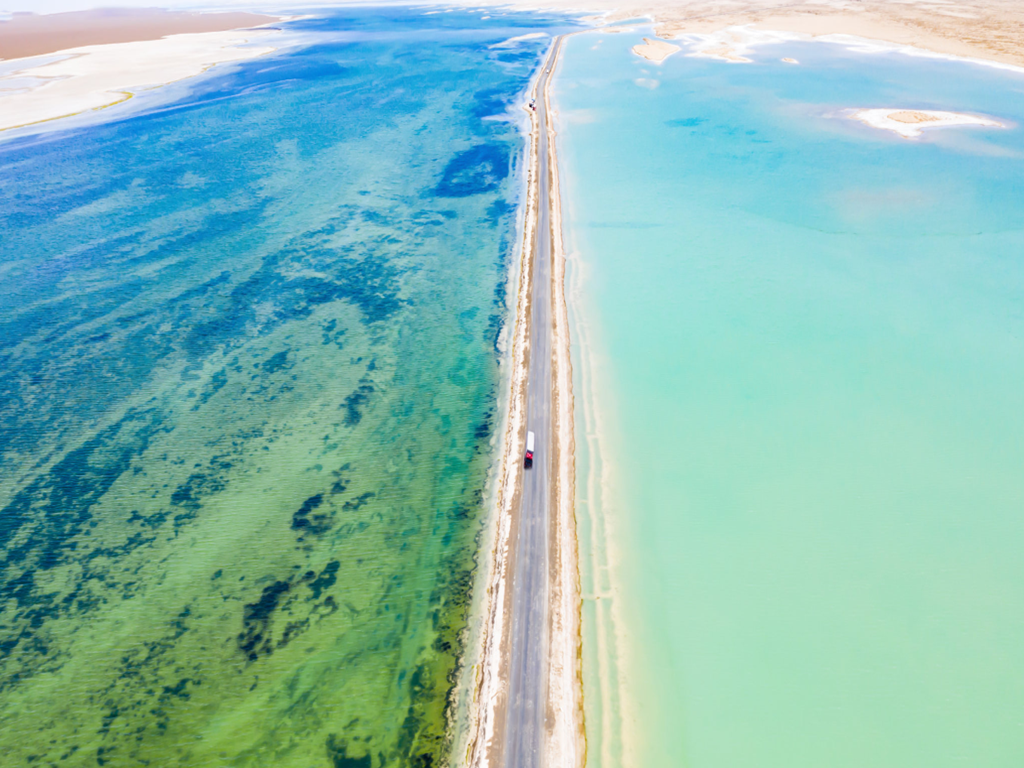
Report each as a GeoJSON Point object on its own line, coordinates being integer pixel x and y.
{"type": "Point", "coordinates": [910, 123]}
{"type": "Point", "coordinates": [82, 80]}
{"type": "Point", "coordinates": [558, 690]}
{"type": "Point", "coordinates": [987, 30]}
{"type": "Point", "coordinates": [655, 50]}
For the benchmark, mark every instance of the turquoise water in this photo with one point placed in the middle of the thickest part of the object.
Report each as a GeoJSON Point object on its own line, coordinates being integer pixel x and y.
{"type": "Point", "coordinates": [250, 366]}
{"type": "Point", "coordinates": [804, 349]}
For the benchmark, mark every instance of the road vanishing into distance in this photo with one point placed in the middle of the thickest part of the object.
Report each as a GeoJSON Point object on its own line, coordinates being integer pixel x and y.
{"type": "Point", "coordinates": [528, 667]}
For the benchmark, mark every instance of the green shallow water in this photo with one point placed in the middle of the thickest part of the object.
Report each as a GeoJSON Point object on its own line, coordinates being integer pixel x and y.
{"type": "Point", "coordinates": [251, 365]}
{"type": "Point", "coordinates": [802, 504]}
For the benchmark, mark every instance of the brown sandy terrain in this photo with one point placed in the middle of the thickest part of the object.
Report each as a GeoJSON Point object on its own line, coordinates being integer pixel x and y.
{"type": "Point", "coordinates": [655, 50]}
{"type": "Point", "coordinates": [28, 34]}
{"type": "Point", "coordinates": [912, 117]}
{"type": "Point", "coordinates": [566, 742]}
{"type": "Point", "coordinates": [987, 29]}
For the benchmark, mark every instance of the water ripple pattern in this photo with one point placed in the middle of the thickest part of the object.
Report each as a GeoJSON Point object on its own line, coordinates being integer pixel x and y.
{"type": "Point", "coordinates": [249, 366]}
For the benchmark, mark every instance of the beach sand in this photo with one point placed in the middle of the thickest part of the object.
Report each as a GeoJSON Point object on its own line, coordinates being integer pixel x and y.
{"type": "Point", "coordinates": [51, 82]}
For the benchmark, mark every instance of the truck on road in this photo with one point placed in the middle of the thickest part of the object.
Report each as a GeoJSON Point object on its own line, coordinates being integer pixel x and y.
{"type": "Point", "coordinates": [529, 450]}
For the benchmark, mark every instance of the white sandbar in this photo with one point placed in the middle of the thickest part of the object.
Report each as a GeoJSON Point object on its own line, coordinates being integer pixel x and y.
{"type": "Point", "coordinates": [909, 123]}
{"type": "Point", "coordinates": [71, 82]}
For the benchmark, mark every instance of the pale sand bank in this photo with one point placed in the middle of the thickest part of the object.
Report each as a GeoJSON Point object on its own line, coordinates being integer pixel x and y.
{"type": "Point", "coordinates": [30, 34]}
{"type": "Point", "coordinates": [655, 50]}
{"type": "Point", "coordinates": [909, 123]}
{"type": "Point", "coordinates": [94, 77]}
{"type": "Point", "coordinates": [565, 744]}
{"type": "Point", "coordinates": [490, 657]}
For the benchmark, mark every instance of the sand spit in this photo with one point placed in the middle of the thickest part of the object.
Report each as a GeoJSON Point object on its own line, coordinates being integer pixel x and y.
{"type": "Point", "coordinates": [909, 123]}
{"type": "Point", "coordinates": [80, 80]}
{"type": "Point", "coordinates": [566, 737]}
{"type": "Point", "coordinates": [490, 676]}
{"type": "Point", "coordinates": [565, 744]}
{"type": "Point", "coordinates": [29, 34]}
{"type": "Point", "coordinates": [655, 50]}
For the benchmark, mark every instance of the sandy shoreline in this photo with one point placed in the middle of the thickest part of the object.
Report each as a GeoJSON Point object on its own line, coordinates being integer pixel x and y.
{"type": "Point", "coordinates": [489, 678]}
{"type": "Point", "coordinates": [29, 34]}
{"type": "Point", "coordinates": [565, 739]}
{"type": "Point", "coordinates": [82, 80]}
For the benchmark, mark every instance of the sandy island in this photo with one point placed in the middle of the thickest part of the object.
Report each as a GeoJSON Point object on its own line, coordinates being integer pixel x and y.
{"type": "Point", "coordinates": [909, 123]}
{"type": "Point", "coordinates": [115, 56]}
{"type": "Point", "coordinates": [655, 50]}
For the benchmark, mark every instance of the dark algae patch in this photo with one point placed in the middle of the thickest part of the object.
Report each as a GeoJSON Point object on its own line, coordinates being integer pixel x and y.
{"type": "Point", "coordinates": [249, 367]}
{"type": "Point", "coordinates": [477, 170]}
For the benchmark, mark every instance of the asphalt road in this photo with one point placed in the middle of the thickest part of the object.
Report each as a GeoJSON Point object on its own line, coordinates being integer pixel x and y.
{"type": "Point", "coordinates": [527, 701]}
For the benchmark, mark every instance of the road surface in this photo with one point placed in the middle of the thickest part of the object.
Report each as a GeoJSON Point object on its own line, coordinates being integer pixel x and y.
{"type": "Point", "coordinates": [528, 667]}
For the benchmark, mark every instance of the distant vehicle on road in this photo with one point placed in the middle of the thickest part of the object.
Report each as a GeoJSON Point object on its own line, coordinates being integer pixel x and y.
{"type": "Point", "coordinates": [529, 450]}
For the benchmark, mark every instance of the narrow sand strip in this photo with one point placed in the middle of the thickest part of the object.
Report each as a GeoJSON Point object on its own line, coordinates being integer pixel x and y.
{"type": "Point", "coordinates": [490, 676]}
{"type": "Point", "coordinates": [566, 737]}
{"type": "Point", "coordinates": [565, 744]}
